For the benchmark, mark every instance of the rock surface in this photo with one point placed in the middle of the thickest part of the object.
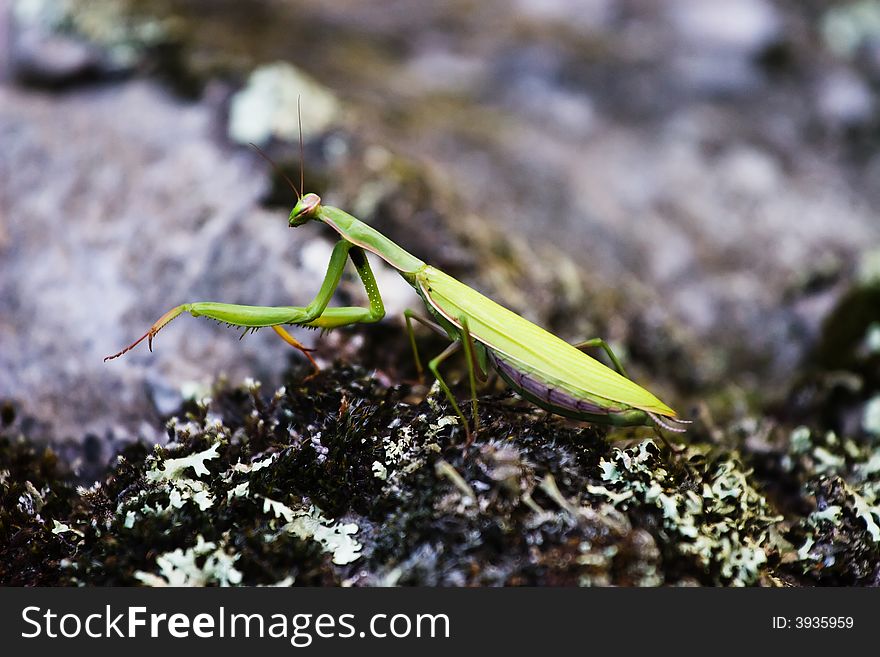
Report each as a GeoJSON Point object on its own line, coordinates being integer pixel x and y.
{"type": "Point", "coordinates": [696, 185]}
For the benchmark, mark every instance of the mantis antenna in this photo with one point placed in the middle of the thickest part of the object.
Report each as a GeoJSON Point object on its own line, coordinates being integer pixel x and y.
{"type": "Point", "coordinates": [302, 156]}
{"type": "Point", "coordinates": [277, 168]}
{"type": "Point", "coordinates": [302, 150]}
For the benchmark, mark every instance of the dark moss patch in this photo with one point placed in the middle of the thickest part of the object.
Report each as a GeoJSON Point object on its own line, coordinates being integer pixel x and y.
{"type": "Point", "coordinates": [344, 479]}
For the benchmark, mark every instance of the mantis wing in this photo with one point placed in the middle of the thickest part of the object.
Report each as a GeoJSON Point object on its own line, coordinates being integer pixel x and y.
{"type": "Point", "coordinates": [536, 351]}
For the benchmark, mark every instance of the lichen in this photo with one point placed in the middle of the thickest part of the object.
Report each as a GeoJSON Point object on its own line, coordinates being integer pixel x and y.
{"type": "Point", "coordinates": [724, 525]}
{"type": "Point", "coordinates": [334, 537]}
{"type": "Point", "coordinates": [200, 565]}
{"type": "Point", "coordinates": [839, 541]}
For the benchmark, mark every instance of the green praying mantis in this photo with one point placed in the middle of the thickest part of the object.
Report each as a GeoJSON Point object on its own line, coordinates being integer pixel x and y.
{"type": "Point", "coordinates": [541, 367]}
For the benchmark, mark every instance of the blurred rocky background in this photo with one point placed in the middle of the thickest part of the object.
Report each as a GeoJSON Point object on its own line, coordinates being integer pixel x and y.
{"type": "Point", "coordinates": [695, 181]}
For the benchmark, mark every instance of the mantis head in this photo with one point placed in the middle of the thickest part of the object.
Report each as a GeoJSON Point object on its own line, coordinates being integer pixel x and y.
{"type": "Point", "coordinates": [304, 210]}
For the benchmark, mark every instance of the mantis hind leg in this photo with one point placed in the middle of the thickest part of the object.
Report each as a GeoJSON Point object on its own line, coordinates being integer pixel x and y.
{"type": "Point", "coordinates": [672, 424]}
{"type": "Point", "coordinates": [599, 342]}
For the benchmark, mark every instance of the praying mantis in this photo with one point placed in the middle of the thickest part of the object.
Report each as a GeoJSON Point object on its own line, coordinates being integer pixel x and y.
{"type": "Point", "coordinates": [541, 367]}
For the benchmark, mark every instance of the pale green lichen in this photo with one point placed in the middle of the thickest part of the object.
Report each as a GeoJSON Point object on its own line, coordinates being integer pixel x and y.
{"type": "Point", "coordinates": [255, 466]}
{"type": "Point", "coordinates": [240, 490]}
{"type": "Point", "coordinates": [825, 461]}
{"type": "Point", "coordinates": [61, 528]}
{"type": "Point", "coordinates": [831, 514]}
{"type": "Point", "coordinates": [827, 453]}
{"type": "Point", "coordinates": [800, 440]}
{"type": "Point", "coordinates": [379, 470]}
{"type": "Point", "coordinates": [869, 467]}
{"type": "Point", "coordinates": [310, 524]}
{"type": "Point", "coordinates": [174, 468]}
{"type": "Point", "coordinates": [847, 523]}
{"type": "Point", "coordinates": [181, 567]}
{"type": "Point", "coordinates": [402, 454]}
{"type": "Point", "coordinates": [278, 509]}
{"type": "Point", "coordinates": [184, 490]}
{"type": "Point", "coordinates": [724, 527]}
{"type": "Point", "coordinates": [334, 537]}
{"type": "Point", "coordinates": [803, 552]}
{"type": "Point", "coordinates": [169, 477]}
{"type": "Point", "coordinates": [397, 450]}
{"type": "Point", "coordinates": [867, 511]}
{"type": "Point", "coordinates": [615, 498]}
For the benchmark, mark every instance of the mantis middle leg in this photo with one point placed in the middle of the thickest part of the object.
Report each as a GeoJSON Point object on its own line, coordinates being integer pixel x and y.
{"type": "Point", "coordinates": [467, 341]}
{"type": "Point", "coordinates": [434, 366]}
{"type": "Point", "coordinates": [408, 316]}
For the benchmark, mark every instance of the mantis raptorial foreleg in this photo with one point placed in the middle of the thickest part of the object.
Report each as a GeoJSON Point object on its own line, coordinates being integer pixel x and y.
{"type": "Point", "coordinates": [315, 315]}
{"type": "Point", "coordinates": [599, 342]}
{"type": "Point", "coordinates": [337, 317]}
